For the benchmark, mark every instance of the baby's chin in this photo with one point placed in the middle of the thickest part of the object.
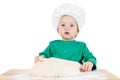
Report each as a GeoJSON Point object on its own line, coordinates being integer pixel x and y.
{"type": "Point", "coordinates": [67, 38]}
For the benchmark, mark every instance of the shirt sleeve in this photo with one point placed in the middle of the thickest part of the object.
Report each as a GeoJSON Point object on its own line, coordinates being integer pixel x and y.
{"type": "Point", "coordinates": [89, 57]}
{"type": "Point", "coordinates": [47, 52]}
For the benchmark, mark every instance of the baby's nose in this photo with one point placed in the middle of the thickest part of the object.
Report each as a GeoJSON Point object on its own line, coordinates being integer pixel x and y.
{"type": "Point", "coordinates": [67, 27]}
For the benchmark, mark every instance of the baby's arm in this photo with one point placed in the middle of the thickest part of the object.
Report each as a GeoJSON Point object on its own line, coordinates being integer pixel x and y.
{"type": "Point", "coordinates": [38, 59]}
{"type": "Point", "coordinates": [89, 60]}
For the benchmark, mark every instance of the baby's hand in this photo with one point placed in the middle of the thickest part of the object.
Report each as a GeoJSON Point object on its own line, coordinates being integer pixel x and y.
{"type": "Point", "coordinates": [87, 66]}
{"type": "Point", "coordinates": [39, 59]}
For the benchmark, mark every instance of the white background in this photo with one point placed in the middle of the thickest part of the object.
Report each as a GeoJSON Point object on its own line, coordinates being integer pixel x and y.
{"type": "Point", "coordinates": [26, 30]}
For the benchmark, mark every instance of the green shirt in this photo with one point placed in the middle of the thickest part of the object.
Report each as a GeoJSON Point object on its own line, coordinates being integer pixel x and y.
{"type": "Point", "coordinates": [69, 50]}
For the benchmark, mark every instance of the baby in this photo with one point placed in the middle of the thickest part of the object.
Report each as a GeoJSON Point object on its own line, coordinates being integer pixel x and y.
{"type": "Point", "coordinates": [68, 19]}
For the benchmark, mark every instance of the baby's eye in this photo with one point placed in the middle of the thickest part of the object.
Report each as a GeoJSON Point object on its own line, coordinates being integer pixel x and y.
{"type": "Point", "coordinates": [71, 25]}
{"type": "Point", "coordinates": [63, 25]}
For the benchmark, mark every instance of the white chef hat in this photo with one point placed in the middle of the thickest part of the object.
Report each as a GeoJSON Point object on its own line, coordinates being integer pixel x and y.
{"type": "Point", "coordinates": [68, 9]}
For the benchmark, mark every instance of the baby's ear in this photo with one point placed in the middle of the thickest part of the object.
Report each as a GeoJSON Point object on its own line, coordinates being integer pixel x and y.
{"type": "Point", "coordinates": [78, 31]}
{"type": "Point", "coordinates": [57, 30]}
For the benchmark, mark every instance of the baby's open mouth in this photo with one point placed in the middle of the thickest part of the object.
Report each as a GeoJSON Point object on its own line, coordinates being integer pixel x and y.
{"type": "Point", "coordinates": [67, 33]}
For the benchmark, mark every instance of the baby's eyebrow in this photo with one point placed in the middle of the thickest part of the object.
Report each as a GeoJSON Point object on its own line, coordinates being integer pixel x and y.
{"type": "Point", "coordinates": [72, 23]}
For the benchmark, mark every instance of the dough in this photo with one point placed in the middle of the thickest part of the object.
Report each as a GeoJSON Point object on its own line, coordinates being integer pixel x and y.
{"type": "Point", "coordinates": [54, 67]}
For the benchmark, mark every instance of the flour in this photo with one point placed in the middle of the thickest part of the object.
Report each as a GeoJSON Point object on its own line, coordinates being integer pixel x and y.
{"type": "Point", "coordinates": [94, 75]}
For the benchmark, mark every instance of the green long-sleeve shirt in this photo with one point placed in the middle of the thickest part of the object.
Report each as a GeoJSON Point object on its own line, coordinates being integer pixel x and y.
{"type": "Point", "coordinates": [69, 50]}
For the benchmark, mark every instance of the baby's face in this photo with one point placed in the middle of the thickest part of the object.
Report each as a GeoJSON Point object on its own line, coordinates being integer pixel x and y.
{"type": "Point", "coordinates": [67, 28]}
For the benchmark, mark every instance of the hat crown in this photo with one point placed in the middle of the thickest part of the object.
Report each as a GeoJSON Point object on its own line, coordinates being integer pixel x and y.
{"type": "Point", "coordinates": [71, 10]}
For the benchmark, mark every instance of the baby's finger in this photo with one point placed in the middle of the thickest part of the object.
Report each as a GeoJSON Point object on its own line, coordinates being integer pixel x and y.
{"type": "Point", "coordinates": [89, 68]}
{"type": "Point", "coordinates": [36, 59]}
{"type": "Point", "coordinates": [84, 67]}
{"type": "Point", "coordinates": [41, 58]}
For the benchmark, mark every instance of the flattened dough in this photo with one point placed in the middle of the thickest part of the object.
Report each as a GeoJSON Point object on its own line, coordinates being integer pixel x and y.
{"type": "Point", "coordinates": [54, 67]}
